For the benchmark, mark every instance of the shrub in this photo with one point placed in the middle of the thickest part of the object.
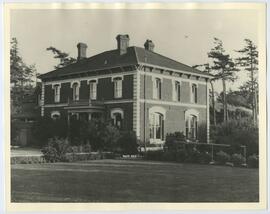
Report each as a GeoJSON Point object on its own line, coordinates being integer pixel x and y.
{"type": "Point", "coordinates": [56, 150]}
{"type": "Point", "coordinates": [237, 133]}
{"type": "Point", "coordinates": [128, 143]}
{"type": "Point", "coordinates": [253, 161]}
{"type": "Point", "coordinates": [237, 159]}
{"type": "Point", "coordinates": [174, 140]}
{"type": "Point", "coordinates": [222, 157]}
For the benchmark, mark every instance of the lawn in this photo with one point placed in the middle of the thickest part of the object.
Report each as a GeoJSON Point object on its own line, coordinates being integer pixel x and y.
{"type": "Point", "coordinates": [132, 181]}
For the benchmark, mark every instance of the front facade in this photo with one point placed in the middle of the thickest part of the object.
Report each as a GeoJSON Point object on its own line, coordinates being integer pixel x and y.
{"type": "Point", "coordinates": [136, 88]}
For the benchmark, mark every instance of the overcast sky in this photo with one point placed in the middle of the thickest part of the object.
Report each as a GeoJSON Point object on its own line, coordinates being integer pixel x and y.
{"type": "Point", "coordinates": [183, 35]}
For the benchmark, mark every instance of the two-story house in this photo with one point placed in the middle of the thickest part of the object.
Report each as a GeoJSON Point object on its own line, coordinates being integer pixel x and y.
{"type": "Point", "coordinates": [138, 89]}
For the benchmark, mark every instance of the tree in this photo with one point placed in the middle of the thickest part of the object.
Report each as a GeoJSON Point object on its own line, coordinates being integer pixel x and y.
{"type": "Point", "coordinates": [249, 61]}
{"type": "Point", "coordinates": [224, 69]}
{"type": "Point", "coordinates": [64, 58]}
{"type": "Point", "coordinates": [21, 77]}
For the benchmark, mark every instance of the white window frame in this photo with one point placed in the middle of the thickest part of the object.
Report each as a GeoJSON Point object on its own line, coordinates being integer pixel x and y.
{"type": "Point", "coordinates": [157, 111]}
{"type": "Point", "coordinates": [56, 87]}
{"type": "Point", "coordinates": [55, 113]}
{"type": "Point", "coordinates": [193, 97]}
{"type": "Point", "coordinates": [93, 89]}
{"type": "Point", "coordinates": [175, 95]}
{"type": "Point", "coordinates": [118, 86]}
{"type": "Point", "coordinates": [75, 92]}
{"type": "Point", "coordinates": [113, 116]}
{"type": "Point", "coordinates": [157, 91]}
{"type": "Point", "coordinates": [189, 114]}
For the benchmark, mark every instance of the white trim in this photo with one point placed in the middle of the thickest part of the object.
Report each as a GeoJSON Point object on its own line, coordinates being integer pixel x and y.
{"type": "Point", "coordinates": [159, 102]}
{"type": "Point", "coordinates": [55, 113]}
{"type": "Point", "coordinates": [56, 105]}
{"type": "Point", "coordinates": [116, 77]}
{"type": "Point", "coordinates": [189, 112]}
{"type": "Point", "coordinates": [179, 79]}
{"type": "Point", "coordinates": [54, 84]}
{"type": "Point", "coordinates": [177, 71]}
{"type": "Point", "coordinates": [117, 110]}
{"type": "Point", "coordinates": [174, 93]}
{"type": "Point", "coordinates": [93, 79]}
{"type": "Point", "coordinates": [42, 98]}
{"type": "Point", "coordinates": [75, 81]}
{"type": "Point", "coordinates": [157, 109]}
{"type": "Point", "coordinates": [69, 80]}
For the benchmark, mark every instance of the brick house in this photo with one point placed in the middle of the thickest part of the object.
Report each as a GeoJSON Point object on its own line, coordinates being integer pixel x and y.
{"type": "Point", "coordinates": [135, 87]}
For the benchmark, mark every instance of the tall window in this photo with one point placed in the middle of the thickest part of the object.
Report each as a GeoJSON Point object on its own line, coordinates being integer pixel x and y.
{"type": "Point", "coordinates": [177, 91]}
{"type": "Point", "coordinates": [93, 90]}
{"type": "Point", "coordinates": [191, 127]}
{"type": "Point", "coordinates": [117, 87]}
{"type": "Point", "coordinates": [56, 93]}
{"type": "Point", "coordinates": [157, 88]}
{"type": "Point", "coordinates": [117, 116]}
{"type": "Point", "coordinates": [75, 91]}
{"type": "Point", "coordinates": [194, 93]}
{"type": "Point", "coordinates": [156, 123]}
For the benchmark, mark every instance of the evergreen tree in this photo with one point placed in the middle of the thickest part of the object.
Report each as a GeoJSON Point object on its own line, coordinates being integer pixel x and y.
{"type": "Point", "coordinates": [21, 77]}
{"type": "Point", "coordinates": [224, 68]}
{"type": "Point", "coordinates": [64, 58]}
{"type": "Point", "coordinates": [249, 61]}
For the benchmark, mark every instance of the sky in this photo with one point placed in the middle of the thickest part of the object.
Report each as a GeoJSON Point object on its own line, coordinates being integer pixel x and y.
{"type": "Point", "coordinates": [183, 35]}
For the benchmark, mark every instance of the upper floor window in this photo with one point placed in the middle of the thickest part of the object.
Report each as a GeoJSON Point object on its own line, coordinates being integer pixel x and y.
{"type": "Point", "coordinates": [93, 89]}
{"type": "Point", "coordinates": [56, 93]}
{"type": "Point", "coordinates": [177, 91]}
{"type": "Point", "coordinates": [117, 87]}
{"type": "Point", "coordinates": [194, 92]}
{"type": "Point", "coordinates": [75, 91]}
{"type": "Point", "coordinates": [157, 88]}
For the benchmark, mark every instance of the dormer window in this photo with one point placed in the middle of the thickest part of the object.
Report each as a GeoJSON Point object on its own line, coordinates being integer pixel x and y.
{"type": "Point", "coordinates": [93, 89]}
{"type": "Point", "coordinates": [157, 88]}
{"type": "Point", "coordinates": [75, 91]}
{"type": "Point", "coordinates": [56, 93]}
{"type": "Point", "coordinates": [117, 82]}
{"type": "Point", "coordinates": [194, 92]}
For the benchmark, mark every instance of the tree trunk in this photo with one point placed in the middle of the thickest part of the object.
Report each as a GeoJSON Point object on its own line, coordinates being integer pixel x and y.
{"type": "Point", "coordinates": [213, 104]}
{"type": "Point", "coordinates": [224, 101]}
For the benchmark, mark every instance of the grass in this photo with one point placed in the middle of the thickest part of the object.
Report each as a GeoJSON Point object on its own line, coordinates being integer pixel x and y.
{"type": "Point", "coordinates": [132, 181]}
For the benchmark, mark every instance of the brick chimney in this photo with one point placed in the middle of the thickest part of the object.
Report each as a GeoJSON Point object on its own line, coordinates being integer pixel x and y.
{"type": "Point", "coordinates": [81, 51]}
{"type": "Point", "coordinates": [149, 45]}
{"type": "Point", "coordinates": [122, 43]}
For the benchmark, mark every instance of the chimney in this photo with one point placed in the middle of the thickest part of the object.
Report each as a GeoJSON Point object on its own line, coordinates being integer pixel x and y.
{"type": "Point", "coordinates": [122, 43]}
{"type": "Point", "coordinates": [149, 45]}
{"type": "Point", "coordinates": [81, 51]}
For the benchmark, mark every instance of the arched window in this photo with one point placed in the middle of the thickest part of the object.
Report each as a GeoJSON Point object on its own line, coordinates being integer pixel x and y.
{"type": "Point", "coordinates": [194, 92]}
{"type": "Point", "coordinates": [117, 82]}
{"type": "Point", "coordinates": [56, 93]}
{"type": "Point", "coordinates": [55, 115]}
{"type": "Point", "coordinates": [156, 124]}
{"type": "Point", "coordinates": [157, 88]}
{"type": "Point", "coordinates": [93, 89]}
{"type": "Point", "coordinates": [176, 91]}
{"type": "Point", "coordinates": [117, 116]}
{"type": "Point", "coordinates": [75, 91]}
{"type": "Point", "coordinates": [191, 121]}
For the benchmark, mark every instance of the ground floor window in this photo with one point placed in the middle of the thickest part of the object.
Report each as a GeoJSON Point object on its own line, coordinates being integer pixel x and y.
{"type": "Point", "coordinates": [156, 124]}
{"type": "Point", "coordinates": [191, 126]}
{"type": "Point", "coordinates": [117, 116]}
{"type": "Point", "coordinates": [55, 115]}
